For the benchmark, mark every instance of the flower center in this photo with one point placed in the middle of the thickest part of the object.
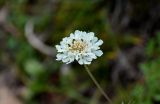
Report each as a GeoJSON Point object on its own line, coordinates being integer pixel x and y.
{"type": "Point", "coordinates": [78, 46]}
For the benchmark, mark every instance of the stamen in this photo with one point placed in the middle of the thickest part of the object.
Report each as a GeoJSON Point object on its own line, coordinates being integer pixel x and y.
{"type": "Point", "coordinates": [78, 46]}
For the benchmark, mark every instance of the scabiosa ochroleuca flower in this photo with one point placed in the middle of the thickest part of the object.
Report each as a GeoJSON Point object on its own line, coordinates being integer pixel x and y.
{"type": "Point", "coordinates": [80, 46]}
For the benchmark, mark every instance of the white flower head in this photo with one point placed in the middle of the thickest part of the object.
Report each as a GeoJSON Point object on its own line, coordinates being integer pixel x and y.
{"type": "Point", "coordinates": [80, 46]}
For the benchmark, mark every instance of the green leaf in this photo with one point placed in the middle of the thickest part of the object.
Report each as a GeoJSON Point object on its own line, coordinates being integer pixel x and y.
{"type": "Point", "coordinates": [150, 47]}
{"type": "Point", "coordinates": [34, 68]}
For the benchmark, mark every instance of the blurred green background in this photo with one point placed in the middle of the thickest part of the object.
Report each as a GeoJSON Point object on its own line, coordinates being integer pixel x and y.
{"type": "Point", "coordinates": [128, 71]}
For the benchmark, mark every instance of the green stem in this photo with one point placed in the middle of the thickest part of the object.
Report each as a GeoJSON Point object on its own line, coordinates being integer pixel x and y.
{"type": "Point", "coordinates": [97, 84]}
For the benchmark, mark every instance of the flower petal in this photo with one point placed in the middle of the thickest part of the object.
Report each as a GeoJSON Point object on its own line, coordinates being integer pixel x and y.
{"type": "Point", "coordinates": [100, 42]}
{"type": "Point", "coordinates": [98, 53]}
{"type": "Point", "coordinates": [89, 48]}
{"type": "Point", "coordinates": [80, 61]}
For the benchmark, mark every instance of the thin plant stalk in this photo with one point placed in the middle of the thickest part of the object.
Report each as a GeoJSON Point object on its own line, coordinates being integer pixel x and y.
{"type": "Point", "coordinates": [98, 85]}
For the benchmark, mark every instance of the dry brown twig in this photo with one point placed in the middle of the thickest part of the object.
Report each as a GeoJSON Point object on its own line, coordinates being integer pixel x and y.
{"type": "Point", "coordinates": [6, 25]}
{"type": "Point", "coordinates": [7, 95]}
{"type": "Point", "coordinates": [37, 43]}
{"type": "Point", "coordinates": [30, 35]}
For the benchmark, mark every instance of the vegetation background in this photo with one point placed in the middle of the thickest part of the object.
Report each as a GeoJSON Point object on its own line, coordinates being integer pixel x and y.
{"type": "Point", "coordinates": [129, 70]}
